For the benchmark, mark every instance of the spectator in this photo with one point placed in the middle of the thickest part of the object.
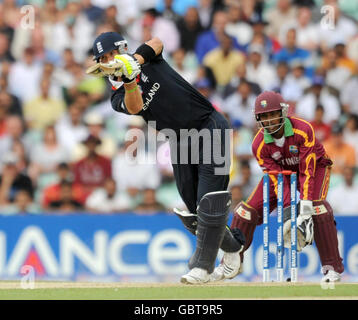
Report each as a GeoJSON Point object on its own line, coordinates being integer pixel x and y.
{"type": "Point", "coordinates": [70, 129]}
{"type": "Point", "coordinates": [257, 68]}
{"type": "Point", "coordinates": [12, 180]}
{"type": "Point", "coordinates": [179, 7]}
{"type": "Point", "coordinates": [128, 11]}
{"type": "Point", "coordinates": [336, 75]}
{"type": "Point", "coordinates": [206, 12]}
{"type": "Point", "coordinates": [260, 36]}
{"type": "Point", "coordinates": [185, 64]}
{"type": "Point", "coordinates": [44, 109]}
{"type": "Point", "coordinates": [342, 30]}
{"type": "Point", "coordinates": [133, 168]}
{"type": "Point", "coordinates": [343, 198]}
{"type": "Point", "coordinates": [62, 75]}
{"type": "Point", "coordinates": [246, 179]}
{"type": "Point", "coordinates": [66, 203]}
{"type": "Point", "coordinates": [350, 132]}
{"type": "Point", "coordinates": [240, 75]}
{"type": "Point", "coordinates": [73, 31]}
{"type": "Point", "coordinates": [224, 60]}
{"type": "Point", "coordinates": [46, 156]}
{"type": "Point", "coordinates": [239, 105]}
{"type": "Point", "coordinates": [349, 96]}
{"type": "Point", "coordinates": [189, 28]}
{"type": "Point", "coordinates": [19, 150]}
{"type": "Point", "coordinates": [25, 76]}
{"type": "Point", "coordinates": [322, 130]}
{"type": "Point", "coordinates": [150, 25]}
{"type": "Point", "coordinates": [341, 153]}
{"type": "Point", "coordinates": [13, 130]}
{"type": "Point", "coordinates": [5, 28]}
{"type": "Point", "coordinates": [236, 196]}
{"type": "Point", "coordinates": [110, 18]}
{"type": "Point", "coordinates": [149, 204]}
{"type": "Point", "coordinates": [291, 52]}
{"type": "Point", "coordinates": [307, 32]}
{"type": "Point", "coordinates": [23, 204]}
{"type": "Point", "coordinates": [282, 72]}
{"type": "Point", "coordinates": [10, 103]}
{"type": "Point", "coordinates": [284, 13]}
{"type": "Point", "coordinates": [92, 170]}
{"type": "Point", "coordinates": [51, 192]}
{"type": "Point", "coordinates": [168, 12]}
{"type": "Point", "coordinates": [5, 53]}
{"type": "Point", "coordinates": [96, 127]}
{"type": "Point", "coordinates": [210, 39]}
{"type": "Point", "coordinates": [237, 27]}
{"type": "Point", "coordinates": [296, 83]}
{"type": "Point", "coordinates": [91, 11]}
{"type": "Point", "coordinates": [343, 60]}
{"type": "Point", "coordinates": [318, 94]}
{"type": "Point", "coordinates": [107, 199]}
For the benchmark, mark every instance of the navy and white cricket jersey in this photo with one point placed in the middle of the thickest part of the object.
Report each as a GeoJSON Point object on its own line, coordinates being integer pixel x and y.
{"type": "Point", "coordinates": [168, 99]}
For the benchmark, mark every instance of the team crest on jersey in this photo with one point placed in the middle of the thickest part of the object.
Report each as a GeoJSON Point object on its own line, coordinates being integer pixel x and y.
{"type": "Point", "coordinates": [293, 149]}
{"type": "Point", "coordinates": [263, 103]}
{"type": "Point", "coordinates": [276, 155]}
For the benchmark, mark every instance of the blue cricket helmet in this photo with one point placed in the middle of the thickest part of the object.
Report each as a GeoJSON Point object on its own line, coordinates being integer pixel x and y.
{"type": "Point", "coordinates": [107, 42]}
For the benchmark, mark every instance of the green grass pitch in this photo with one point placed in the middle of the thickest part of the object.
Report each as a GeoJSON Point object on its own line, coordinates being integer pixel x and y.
{"type": "Point", "coordinates": [173, 291]}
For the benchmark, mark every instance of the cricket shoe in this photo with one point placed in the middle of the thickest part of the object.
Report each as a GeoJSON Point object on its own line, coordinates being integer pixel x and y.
{"type": "Point", "coordinates": [331, 276]}
{"type": "Point", "coordinates": [195, 276]}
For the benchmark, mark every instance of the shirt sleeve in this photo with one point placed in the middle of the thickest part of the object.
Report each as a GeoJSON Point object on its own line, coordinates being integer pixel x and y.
{"type": "Point", "coordinates": [307, 161]}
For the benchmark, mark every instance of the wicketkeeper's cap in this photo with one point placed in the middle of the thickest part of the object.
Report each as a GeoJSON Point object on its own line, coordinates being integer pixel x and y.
{"type": "Point", "coordinates": [269, 101]}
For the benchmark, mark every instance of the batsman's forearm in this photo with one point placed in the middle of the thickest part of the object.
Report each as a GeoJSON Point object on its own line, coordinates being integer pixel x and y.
{"type": "Point", "coordinates": [133, 97]}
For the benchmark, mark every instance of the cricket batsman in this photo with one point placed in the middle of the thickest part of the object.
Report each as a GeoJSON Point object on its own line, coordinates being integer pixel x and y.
{"type": "Point", "coordinates": [289, 143]}
{"type": "Point", "coordinates": [144, 84]}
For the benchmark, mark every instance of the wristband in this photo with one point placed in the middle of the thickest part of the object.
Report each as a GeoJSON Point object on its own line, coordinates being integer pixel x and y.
{"type": "Point", "coordinates": [146, 52]}
{"type": "Point", "coordinates": [132, 90]}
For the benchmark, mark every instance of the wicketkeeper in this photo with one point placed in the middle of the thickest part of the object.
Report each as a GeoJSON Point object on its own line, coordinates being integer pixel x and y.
{"type": "Point", "coordinates": [144, 84]}
{"type": "Point", "coordinates": [289, 143]}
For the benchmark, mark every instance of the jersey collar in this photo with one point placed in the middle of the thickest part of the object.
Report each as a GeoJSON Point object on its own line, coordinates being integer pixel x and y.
{"type": "Point", "coordinates": [288, 131]}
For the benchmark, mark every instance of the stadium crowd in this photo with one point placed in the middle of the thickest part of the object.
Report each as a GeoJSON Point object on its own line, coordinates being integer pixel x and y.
{"type": "Point", "coordinates": [62, 147]}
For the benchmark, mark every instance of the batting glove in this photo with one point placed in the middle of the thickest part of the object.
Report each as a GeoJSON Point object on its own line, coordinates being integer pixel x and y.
{"type": "Point", "coordinates": [131, 67]}
{"type": "Point", "coordinates": [125, 66]}
{"type": "Point", "coordinates": [112, 68]}
{"type": "Point", "coordinates": [95, 70]}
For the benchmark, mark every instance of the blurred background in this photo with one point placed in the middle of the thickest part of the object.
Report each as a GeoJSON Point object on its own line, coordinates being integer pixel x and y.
{"type": "Point", "coordinates": [53, 116]}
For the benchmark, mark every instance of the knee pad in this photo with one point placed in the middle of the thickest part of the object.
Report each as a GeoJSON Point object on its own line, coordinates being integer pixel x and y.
{"type": "Point", "coordinates": [213, 208]}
